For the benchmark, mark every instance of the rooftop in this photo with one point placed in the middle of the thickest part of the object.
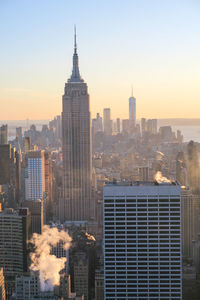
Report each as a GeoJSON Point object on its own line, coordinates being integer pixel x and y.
{"type": "Point", "coordinates": [141, 183]}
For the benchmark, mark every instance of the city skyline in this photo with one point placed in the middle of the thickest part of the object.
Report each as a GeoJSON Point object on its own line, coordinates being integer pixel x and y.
{"type": "Point", "coordinates": [99, 161]}
{"type": "Point", "coordinates": [154, 47]}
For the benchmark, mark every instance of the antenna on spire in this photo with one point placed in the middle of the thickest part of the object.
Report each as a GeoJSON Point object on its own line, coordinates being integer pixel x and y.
{"type": "Point", "coordinates": [75, 45]}
{"type": "Point", "coordinates": [131, 90]}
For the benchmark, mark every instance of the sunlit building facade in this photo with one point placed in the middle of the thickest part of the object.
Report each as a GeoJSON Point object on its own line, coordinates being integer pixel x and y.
{"type": "Point", "coordinates": [142, 241]}
{"type": "Point", "coordinates": [35, 183]}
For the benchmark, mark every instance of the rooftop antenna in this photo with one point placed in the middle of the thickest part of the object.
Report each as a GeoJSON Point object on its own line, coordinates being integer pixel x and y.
{"type": "Point", "coordinates": [75, 44]}
{"type": "Point", "coordinates": [131, 90]}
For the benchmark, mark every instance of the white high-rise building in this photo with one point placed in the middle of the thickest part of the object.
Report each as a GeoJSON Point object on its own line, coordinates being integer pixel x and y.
{"type": "Point", "coordinates": [142, 241]}
{"type": "Point", "coordinates": [35, 183]}
{"type": "Point", "coordinates": [132, 113]}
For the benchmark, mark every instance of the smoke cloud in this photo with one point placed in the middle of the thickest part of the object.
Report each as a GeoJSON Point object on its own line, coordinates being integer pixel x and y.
{"type": "Point", "coordinates": [161, 179]}
{"type": "Point", "coordinates": [48, 265]}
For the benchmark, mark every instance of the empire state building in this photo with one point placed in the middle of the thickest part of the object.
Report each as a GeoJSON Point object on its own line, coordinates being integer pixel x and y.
{"type": "Point", "coordinates": [76, 148]}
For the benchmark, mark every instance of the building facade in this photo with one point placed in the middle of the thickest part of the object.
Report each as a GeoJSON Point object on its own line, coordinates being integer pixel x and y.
{"type": "Point", "coordinates": [142, 241]}
{"type": "Point", "coordinates": [132, 113]}
{"type": "Point", "coordinates": [14, 237]}
{"type": "Point", "coordinates": [81, 274]}
{"type": "Point", "coordinates": [107, 122]}
{"type": "Point", "coordinates": [99, 284]}
{"type": "Point", "coordinates": [4, 135]}
{"type": "Point", "coordinates": [76, 146]}
{"type": "Point", "coordinates": [35, 183]}
{"type": "Point", "coordinates": [97, 124]}
{"type": "Point", "coordinates": [37, 215]}
{"type": "Point", "coordinates": [190, 221]}
{"type": "Point", "coordinates": [2, 286]}
{"type": "Point", "coordinates": [5, 157]}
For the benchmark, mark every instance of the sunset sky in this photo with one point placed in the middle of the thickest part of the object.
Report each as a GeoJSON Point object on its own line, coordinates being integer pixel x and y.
{"type": "Point", "coordinates": [152, 45]}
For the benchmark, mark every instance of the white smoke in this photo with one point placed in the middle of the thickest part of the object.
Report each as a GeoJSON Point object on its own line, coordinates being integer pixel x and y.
{"type": "Point", "coordinates": [48, 265]}
{"type": "Point", "coordinates": [161, 179]}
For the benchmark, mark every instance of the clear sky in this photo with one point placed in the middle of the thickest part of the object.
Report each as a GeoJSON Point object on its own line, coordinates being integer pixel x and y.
{"type": "Point", "coordinates": [153, 45]}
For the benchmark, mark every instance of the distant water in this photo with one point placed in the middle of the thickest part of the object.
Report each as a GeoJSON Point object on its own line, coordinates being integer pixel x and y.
{"type": "Point", "coordinates": [189, 132]}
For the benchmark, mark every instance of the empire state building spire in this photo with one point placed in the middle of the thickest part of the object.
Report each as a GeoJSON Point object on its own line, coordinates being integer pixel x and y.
{"type": "Point", "coordinates": [77, 202]}
{"type": "Point", "coordinates": [75, 77]}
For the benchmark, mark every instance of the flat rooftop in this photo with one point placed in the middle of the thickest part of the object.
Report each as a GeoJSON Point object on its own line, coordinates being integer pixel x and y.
{"type": "Point", "coordinates": [141, 183]}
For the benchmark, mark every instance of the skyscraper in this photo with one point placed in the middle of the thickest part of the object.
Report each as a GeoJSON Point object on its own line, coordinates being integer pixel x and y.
{"type": "Point", "coordinates": [37, 216]}
{"type": "Point", "coordinates": [132, 113]}
{"type": "Point", "coordinates": [190, 221]}
{"type": "Point", "coordinates": [97, 124]}
{"type": "Point", "coordinates": [118, 125]}
{"type": "Point", "coordinates": [76, 146]}
{"type": "Point", "coordinates": [5, 157]}
{"type": "Point", "coordinates": [14, 237]}
{"type": "Point", "coordinates": [107, 122]}
{"type": "Point", "coordinates": [4, 134]}
{"type": "Point", "coordinates": [142, 241]}
{"type": "Point", "coordinates": [35, 183]}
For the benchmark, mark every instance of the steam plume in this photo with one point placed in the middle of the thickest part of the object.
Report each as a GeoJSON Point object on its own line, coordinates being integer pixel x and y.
{"type": "Point", "coordinates": [48, 265]}
{"type": "Point", "coordinates": [159, 178]}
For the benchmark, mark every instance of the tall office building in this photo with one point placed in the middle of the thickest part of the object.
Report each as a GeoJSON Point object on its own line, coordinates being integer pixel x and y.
{"type": "Point", "coordinates": [143, 126]}
{"type": "Point", "coordinates": [125, 126]}
{"type": "Point", "coordinates": [107, 122]}
{"type": "Point", "coordinates": [27, 287]}
{"type": "Point", "coordinates": [14, 237]}
{"type": "Point", "coordinates": [97, 124]}
{"type": "Point", "coordinates": [132, 113]}
{"type": "Point", "coordinates": [2, 286]}
{"type": "Point", "coordinates": [148, 126]}
{"type": "Point", "coordinates": [190, 221]}
{"type": "Point", "coordinates": [81, 274]}
{"type": "Point", "coordinates": [10, 171]}
{"type": "Point", "coordinates": [48, 186]}
{"type": "Point", "coordinates": [99, 284]}
{"type": "Point", "coordinates": [76, 146]}
{"type": "Point", "coordinates": [142, 241]}
{"type": "Point", "coordinates": [19, 135]}
{"type": "Point", "coordinates": [35, 183]}
{"type": "Point", "coordinates": [55, 126]}
{"type": "Point", "coordinates": [37, 217]}
{"type": "Point", "coordinates": [118, 125]}
{"type": "Point", "coordinates": [27, 144]}
{"type": "Point", "coordinates": [4, 134]}
{"type": "Point", "coordinates": [5, 164]}
{"type": "Point", "coordinates": [193, 167]}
